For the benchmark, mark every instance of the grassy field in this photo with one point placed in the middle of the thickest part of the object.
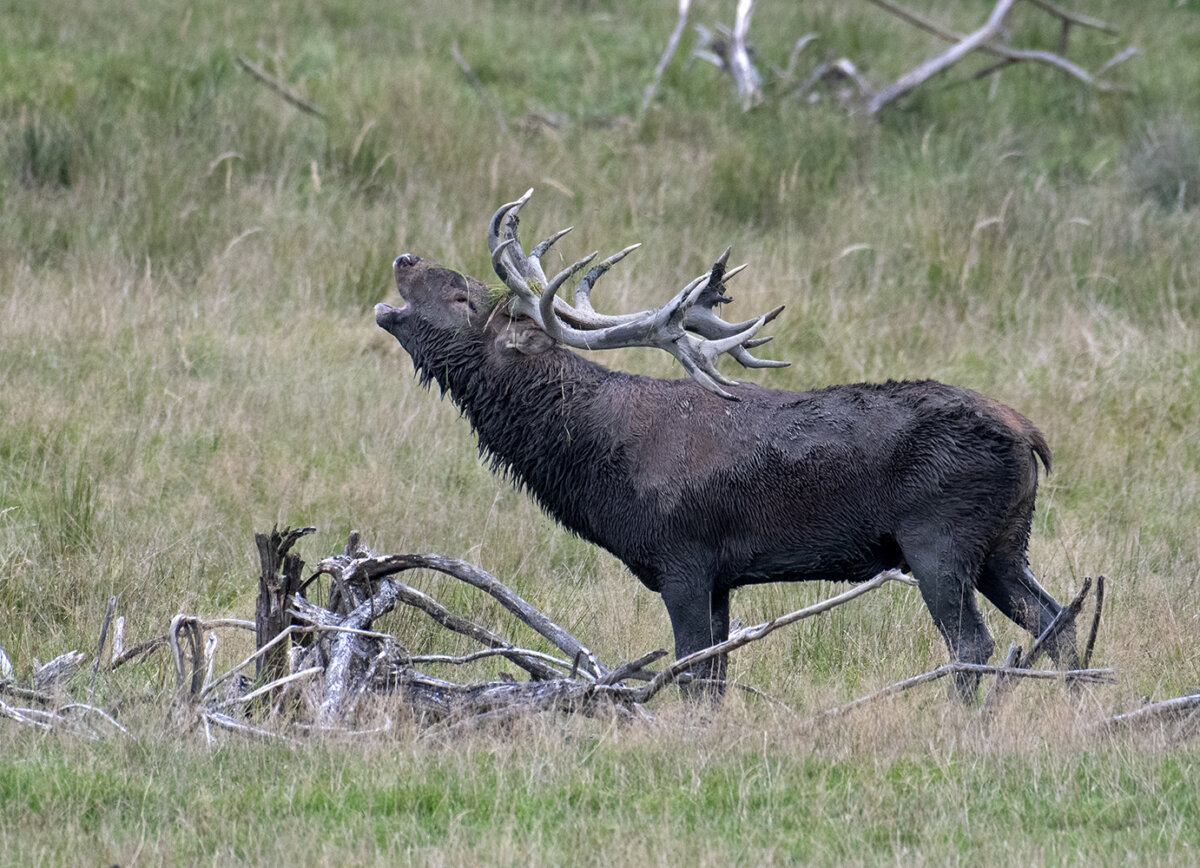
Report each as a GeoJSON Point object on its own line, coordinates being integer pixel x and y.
{"type": "Point", "coordinates": [187, 355]}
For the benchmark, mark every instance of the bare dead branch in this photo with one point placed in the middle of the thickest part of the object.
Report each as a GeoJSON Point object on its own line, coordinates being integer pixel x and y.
{"type": "Point", "coordinates": [1091, 640]}
{"type": "Point", "coordinates": [1089, 675]}
{"type": "Point", "coordinates": [1065, 617]}
{"type": "Point", "coordinates": [112, 602]}
{"type": "Point", "coordinates": [1119, 58]}
{"type": "Point", "coordinates": [99, 712]}
{"type": "Point", "coordinates": [752, 634]}
{"type": "Point", "coordinates": [118, 647]}
{"type": "Point", "coordinates": [925, 71]}
{"type": "Point", "coordinates": [1152, 713]}
{"type": "Point", "coordinates": [280, 88]}
{"type": "Point", "coordinates": [217, 682]}
{"type": "Point", "coordinates": [668, 53]}
{"type": "Point", "coordinates": [508, 653]}
{"type": "Point", "coordinates": [11, 689]}
{"type": "Point", "coordinates": [745, 76]}
{"type": "Point", "coordinates": [226, 722]}
{"type": "Point", "coordinates": [485, 581]}
{"type": "Point", "coordinates": [1069, 17]}
{"type": "Point", "coordinates": [985, 40]}
{"type": "Point", "coordinates": [151, 645]}
{"type": "Point", "coordinates": [57, 670]}
{"type": "Point", "coordinates": [632, 668]}
{"type": "Point", "coordinates": [267, 688]}
{"type": "Point", "coordinates": [423, 602]}
{"type": "Point", "coordinates": [477, 86]}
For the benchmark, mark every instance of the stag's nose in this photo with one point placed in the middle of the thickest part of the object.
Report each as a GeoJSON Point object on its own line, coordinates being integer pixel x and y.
{"type": "Point", "coordinates": [405, 260]}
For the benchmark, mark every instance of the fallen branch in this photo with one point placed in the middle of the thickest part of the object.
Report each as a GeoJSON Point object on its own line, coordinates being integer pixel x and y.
{"type": "Point", "coordinates": [752, 634]}
{"type": "Point", "coordinates": [477, 85]}
{"type": "Point", "coordinates": [280, 88]}
{"type": "Point", "coordinates": [1088, 675]}
{"type": "Point", "coordinates": [668, 53]}
{"type": "Point", "coordinates": [1154, 712]}
{"type": "Point", "coordinates": [728, 49]}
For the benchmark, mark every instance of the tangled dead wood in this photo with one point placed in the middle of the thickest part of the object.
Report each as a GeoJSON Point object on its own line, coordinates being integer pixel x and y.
{"type": "Point", "coordinates": [729, 50]}
{"type": "Point", "coordinates": [315, 663]}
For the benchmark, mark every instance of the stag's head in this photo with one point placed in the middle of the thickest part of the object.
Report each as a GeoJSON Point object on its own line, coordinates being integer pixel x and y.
{"type": "Point", "coordinates": [448, 318]}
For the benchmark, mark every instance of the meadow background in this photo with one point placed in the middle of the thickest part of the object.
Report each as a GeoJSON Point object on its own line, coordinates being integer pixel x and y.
{"type": "Point", "coordinates": [187, 355]}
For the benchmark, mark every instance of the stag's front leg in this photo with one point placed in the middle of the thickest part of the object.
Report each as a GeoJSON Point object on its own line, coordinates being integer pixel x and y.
{"type": "Point", "coordinates": [699, 618]}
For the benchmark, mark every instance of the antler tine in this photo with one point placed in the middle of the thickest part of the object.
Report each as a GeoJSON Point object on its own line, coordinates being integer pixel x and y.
{"type": "Point", "coordinates": [507, 271]}
{"type": "Point", "coordinates": [535, 255]}
{"type": "Point", "coordinates": [734, 272]}
{"type": "Point", "coordinates": [507, 256]}
{"type": "Point", "coordinates": [563, 276]}
{"type": "Point", "coordinates": [746, 360]}
{"type": "Point", "coordinates": [583, 292]}
{"type": "Point", "coordinates": [500, 219]}
{"type": "Point", "coordinates": [704, 379]}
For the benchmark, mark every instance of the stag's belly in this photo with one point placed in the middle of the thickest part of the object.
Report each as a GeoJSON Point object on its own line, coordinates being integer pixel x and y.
{"type": "Point", "coordinates": [812, 561]}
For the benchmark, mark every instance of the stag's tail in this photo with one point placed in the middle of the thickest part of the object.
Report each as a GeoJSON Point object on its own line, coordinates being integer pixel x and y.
{"type": "Point", "coordinates": [1041, 448]}
{"type": "Point", "coordinates": [1023, 430]}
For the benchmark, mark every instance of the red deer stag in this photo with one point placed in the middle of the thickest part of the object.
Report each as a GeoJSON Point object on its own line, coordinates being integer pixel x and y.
{"type": "Point", "coordinates": [703, 485]}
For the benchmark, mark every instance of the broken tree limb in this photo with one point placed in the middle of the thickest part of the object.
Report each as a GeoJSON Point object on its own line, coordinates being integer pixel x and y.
{"type": "Point", "coordinates": [1095, 628]}
{"type": "Point", "coordinates": [108, 612]}
{"type": "Point", "coordinates": [337, 683]}
{"type": "Point", "coordinates": [752, 634]}
{"type": "Point", "coordinates": [278, 582]}
{"type": "Point", "coordinates": [57, 670]}
{"type": "Point", "coordinates": [423, 602]}
{"type": "Point", "coordinates": [668, 53]}
{"type": "Point", "coordinates": [746, 78]}
{"type": "Point", "coordinates": [1069, 17]}
{"type": "Point", "coordinates": [633, 668]}
{"type": "Point", "coordinates": [288, 95]}
{"type": "Point", "coordinates": [1066, 616]}
{"type": "Point", "coordinates": [1089, 675]}
{"type": "Point", "coordinates": [986, 40]}
{"type": "Point", "coordinates": [934, 65]}
{"type": "Point", "coordinates": [1152, 713]}
{"type": "Point", "coordinates": [388, 564]}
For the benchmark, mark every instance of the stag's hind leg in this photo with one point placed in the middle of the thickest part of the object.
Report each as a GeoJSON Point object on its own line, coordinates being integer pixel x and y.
{"type": "Point", "coordinates": [1007, 582]}
{"type": "Point", "coordinates": [945, 571]}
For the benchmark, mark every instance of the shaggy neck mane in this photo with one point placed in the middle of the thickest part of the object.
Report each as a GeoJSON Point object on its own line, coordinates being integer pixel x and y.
{"type": "Point", "coordinates": [528, 413]}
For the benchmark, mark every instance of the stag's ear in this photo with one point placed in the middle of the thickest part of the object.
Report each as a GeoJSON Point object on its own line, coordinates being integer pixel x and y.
{"type": "Point", "coordinates": [524, 336]}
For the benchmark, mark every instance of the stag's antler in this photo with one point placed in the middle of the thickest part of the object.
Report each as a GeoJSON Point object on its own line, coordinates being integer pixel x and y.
{"type": "Point", "coordinates": [687, 326]}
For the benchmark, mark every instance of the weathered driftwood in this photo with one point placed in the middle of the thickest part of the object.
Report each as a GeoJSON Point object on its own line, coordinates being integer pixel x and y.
{"type": "Point", "coordinates": [278, 582]}
{"type": "Point", "coordinates": [288, 95]}
{"type": "Point", "coordinates": [669, 52]}
{"type": "Point", "coordinates": [1177, 719]}
{"type": "Point", "coordinates": [1095, 676]}
{"type": "Point", "coordinates": [729, 50]}
{"type": "Point", "coordinates": [988, 39]}
{"type": "Point", "coordinates": [58, 670]}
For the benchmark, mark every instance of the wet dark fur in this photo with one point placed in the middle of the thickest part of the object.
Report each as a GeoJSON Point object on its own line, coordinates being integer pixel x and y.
{"type": "Point", "coordinates": [698, 495]}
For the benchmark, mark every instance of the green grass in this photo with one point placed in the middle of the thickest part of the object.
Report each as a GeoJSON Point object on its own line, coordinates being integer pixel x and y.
{"type": "Point", "coordinates": [187, 355]}
{"type": "Point", "coordinates": [724, 796]}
